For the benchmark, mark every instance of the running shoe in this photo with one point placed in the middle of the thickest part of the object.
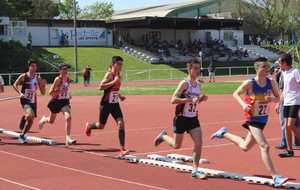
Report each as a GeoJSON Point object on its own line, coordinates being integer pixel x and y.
{"type": "Point", "coordinates": [219, 134]}
{"type": "Point", "coordinates": [123, 152]}
{"type": "Point", "coordinates": [70, 141]}
{"type": "Point", "coordinates": [286, 154]}
{"type": "Point", "coordinates": [42, 122]}
{"type": "Point", "coordinates": [159, 139]}
{"type": "Point", "coordinates": [198, 174]}
{"type": "Point", "coordinates": [279, 181]}
{"type": "Point", "coordinates": [88, 130]}
{"type": "Point", "coordinates": [22, 138]}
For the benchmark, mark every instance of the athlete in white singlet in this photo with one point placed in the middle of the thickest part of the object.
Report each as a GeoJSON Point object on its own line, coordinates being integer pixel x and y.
{"type": "Point", "coordinates": [187, 97]}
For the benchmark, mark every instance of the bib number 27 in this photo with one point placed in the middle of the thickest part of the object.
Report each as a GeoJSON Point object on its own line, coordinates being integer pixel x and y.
{"type": "Point", "coordinates": [262, 109]}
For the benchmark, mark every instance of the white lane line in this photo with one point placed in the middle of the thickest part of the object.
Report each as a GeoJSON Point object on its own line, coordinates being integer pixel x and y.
{"type": "Point", "coordinates": [205, 146]}
{"type": "Point", "coordinates": [82, 171]}
{"type": "Point", "coordinates": [18, 184]}
{"type": "Point", "coordinates": [146, 129]}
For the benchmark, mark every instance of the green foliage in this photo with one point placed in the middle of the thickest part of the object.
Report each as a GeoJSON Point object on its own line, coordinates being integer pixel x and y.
{"type": "Point", "coordinates": [98, 10]}
{"type": "Point", "coordinates": [44, 9]}
{"type": "Point", "coordinates": [13, 57]}
{"type": "Point", "coordinates": [66, 9]}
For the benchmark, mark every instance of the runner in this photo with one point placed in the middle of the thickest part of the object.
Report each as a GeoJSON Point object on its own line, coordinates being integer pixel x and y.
{"type": "Point", "coordinates": [30, 82]}
{"type": "Point", "coordinates": [187, 96]}
{"type": "Point", "coordinates": [60, 102]}
{"type": "Point", "coordinates": [258, 93]}
{"type": "Point", "coordinates": [111, 85]}
{"type": "Point", "coordinates": [291, 101]}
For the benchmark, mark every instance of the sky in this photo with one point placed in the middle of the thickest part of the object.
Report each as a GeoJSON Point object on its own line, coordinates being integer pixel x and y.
{"type": "Point", "coordinates": [129, 4]}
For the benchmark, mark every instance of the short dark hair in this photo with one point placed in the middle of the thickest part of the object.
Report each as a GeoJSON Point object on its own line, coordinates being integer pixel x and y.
{"type": "Point", "coordinates": [32, 61]}
{"type": "Point", "coordinates": [287, 58]}
{"type": "Point", "coordinates": [64, 66]}
{"type": "Point", "coordinates": [116, 59]}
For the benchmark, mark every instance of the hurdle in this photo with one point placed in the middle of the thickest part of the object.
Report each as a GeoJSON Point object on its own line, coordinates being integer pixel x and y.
{"type": "Point", "coordinates": [9, 98]}
{"type": "Point", "coordinates": [29, 138]}
{"type": "Point", "coordinates": [185, 158]}
{"type": "Point", "coordinates": [209, 172]}
{"type": "Point", "coordinates": [163, 158]}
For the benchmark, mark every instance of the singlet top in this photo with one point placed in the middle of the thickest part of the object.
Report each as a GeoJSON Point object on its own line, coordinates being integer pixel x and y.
{"type": "Point", "coordinates": [189, 109]}
{"type": "Point", "coordinates": [29, 88]}
{"type": "Point", "coordinates": [256, 98]}
{"type": "Point", "coordinates": [111, 94]}
{"type": "Point", "coordinates": [63, 88]}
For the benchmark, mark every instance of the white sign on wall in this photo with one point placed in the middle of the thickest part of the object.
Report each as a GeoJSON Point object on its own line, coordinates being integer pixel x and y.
{"type": "Point", "coordinates": [85, 36]}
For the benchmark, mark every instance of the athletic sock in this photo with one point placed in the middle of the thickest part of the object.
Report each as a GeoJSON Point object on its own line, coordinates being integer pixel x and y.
{"type": "Point", "coordinates": [22, 123]}
{"type": "Point", "coordinates": [122, 136]}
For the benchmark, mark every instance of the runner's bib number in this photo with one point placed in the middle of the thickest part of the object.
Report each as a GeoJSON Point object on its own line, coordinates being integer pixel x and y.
{"type": "Point", "coordinates": [260, 109]}
{"type": "Point", "coordinates": [190, 110]}
{"type": "Point", "coordinates": [30, 95]}
{"type": "Point", "coordinates": [114, 97]}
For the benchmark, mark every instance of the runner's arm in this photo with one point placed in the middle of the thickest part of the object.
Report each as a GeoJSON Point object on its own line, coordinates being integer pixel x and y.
{"type": "Point", "coordinates": [42, 85]}
{"type": "Point", "coordinates": [241, 91]}
{"type": "Point", "coordinates": [54, 91]}
{"type": "Point", "coordinates": [107, 81]}
{"type": "Point", "coordinates": [18, 82]}
{"type": "Point", "coordinates": [275, 90]}
{"type": "Point", "coordinates": [176, 98]}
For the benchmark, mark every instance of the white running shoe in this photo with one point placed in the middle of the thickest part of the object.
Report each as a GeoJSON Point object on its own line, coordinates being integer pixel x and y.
{"type": "Point", "coordinates": [70, 141]}
{"type": "Point", "coordinates": [42, 122]}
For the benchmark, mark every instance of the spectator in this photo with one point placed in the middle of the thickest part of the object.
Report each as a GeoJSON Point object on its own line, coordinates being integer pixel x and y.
{"type": "Point", "coordinates": [1, 84]}
{"type": "Point", "coordinates": [87, 75]}
{"type": "Point", "coordinates": [211, 71]}
{"type": "Point", "coordinates": [279, 110]}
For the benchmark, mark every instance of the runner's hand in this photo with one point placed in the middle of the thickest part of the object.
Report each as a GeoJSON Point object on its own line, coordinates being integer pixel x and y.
{"type": "Point", "coordinates": [22, 95]}
{"type": "Point", "coordinates": [122, 98]}
{"type": "Point", "coordinates": [203, 98]}
{"type": "Point", "coordinates": [247, 107]}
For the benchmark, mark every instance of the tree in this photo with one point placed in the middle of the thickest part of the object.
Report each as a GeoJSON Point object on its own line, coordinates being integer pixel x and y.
{"type": "Point", "coordinates": [270, 17]}
{"type": "Point", "coordinates": [16, 8]}
{"type": "Point", "coordinates": [98, 10]}
{"type": "Point", "coordinates": [66, 9]}
{"type": "Point", "coordinates": [45, 9]}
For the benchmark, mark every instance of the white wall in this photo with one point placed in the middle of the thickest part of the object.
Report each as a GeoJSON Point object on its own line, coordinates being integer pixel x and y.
{"type": "Point", "coordinates": [45, 36]}
{"type": "Point", "coordinates": [219, 35]}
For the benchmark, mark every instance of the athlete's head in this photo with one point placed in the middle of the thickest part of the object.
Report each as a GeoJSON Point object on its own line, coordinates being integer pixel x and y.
{"type": "Point", "coordinates": [63, 69]}
{"type": "Point", "coordinates": [116, 63]}
{"type": "Point", "coordinates": [262, 66]}
{"type": "Point", "coordinates": [285, 61]}
{"type": "Point", "coordinates": [32, 66]}
{"type": "Point", "coordinates": [194, 68]}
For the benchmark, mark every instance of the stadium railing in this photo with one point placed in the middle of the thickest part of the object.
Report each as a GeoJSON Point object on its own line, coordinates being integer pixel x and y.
{"type": "Point", "coordinates": [141, 74]}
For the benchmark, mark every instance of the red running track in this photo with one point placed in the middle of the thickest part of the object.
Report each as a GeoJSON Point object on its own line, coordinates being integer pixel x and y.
{"type": "Point", "coordinates": [85, 166]}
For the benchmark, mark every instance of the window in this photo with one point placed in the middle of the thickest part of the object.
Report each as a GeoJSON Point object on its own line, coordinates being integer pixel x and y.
{"type": "Point", "coordinates": [3, 30]}
{"type": "Point", "coordinates": [228, 36]}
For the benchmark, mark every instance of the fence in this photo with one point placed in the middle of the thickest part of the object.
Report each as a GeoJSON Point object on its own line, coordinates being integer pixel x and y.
{"type": "Point", "coordinates": [141, 75]}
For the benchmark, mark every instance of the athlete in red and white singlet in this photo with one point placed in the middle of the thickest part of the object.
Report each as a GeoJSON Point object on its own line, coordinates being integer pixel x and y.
{"type": "Point", "coordinates": [60, 102]}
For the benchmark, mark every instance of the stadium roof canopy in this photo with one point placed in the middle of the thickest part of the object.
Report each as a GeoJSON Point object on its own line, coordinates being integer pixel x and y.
{"type": "Point", "coordinates": [165, 10]}
{"type": "Point", "coordinates": [175, 23]}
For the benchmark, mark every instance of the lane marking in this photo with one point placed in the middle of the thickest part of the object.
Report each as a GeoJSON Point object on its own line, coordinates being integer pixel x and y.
{"type": "Point", "coordinates": [19, 184]}
{"type": "Point", "coordinates": [82, 171]}
{"type": "Point", "coordinates": [144, 129]}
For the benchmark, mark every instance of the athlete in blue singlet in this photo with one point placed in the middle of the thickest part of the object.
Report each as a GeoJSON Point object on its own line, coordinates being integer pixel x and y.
{"type": "Point", "coordinates": [257, 94]}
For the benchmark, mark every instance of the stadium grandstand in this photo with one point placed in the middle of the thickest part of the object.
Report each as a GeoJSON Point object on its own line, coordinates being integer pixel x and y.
{"type": "Point", "coordinates": [164, 33]}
